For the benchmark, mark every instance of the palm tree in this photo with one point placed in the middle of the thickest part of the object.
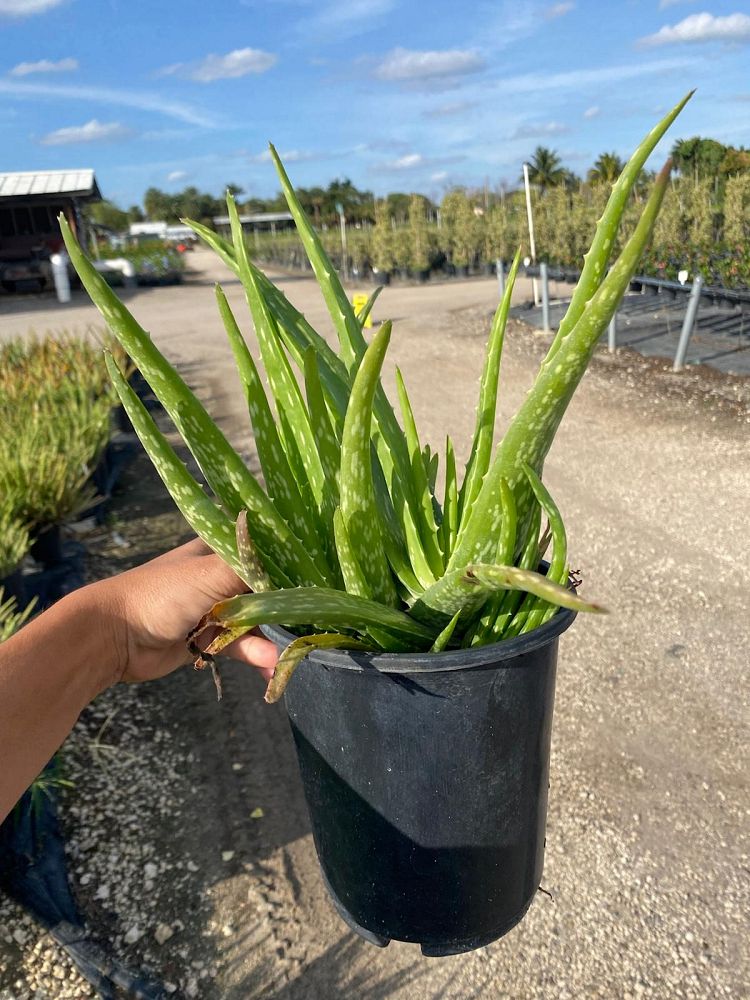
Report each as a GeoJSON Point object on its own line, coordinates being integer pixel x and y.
{"type": "Point", "coordinates": [606, 170]}
{"type": "Point", "coordinates": [545, 168]}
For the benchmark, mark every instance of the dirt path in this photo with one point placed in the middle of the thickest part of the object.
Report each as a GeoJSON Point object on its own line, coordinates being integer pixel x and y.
{"type": "Point", "coordinates": [646, 845]}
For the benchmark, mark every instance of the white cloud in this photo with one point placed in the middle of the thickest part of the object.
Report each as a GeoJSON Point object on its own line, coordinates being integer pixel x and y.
{"type": "Point", "coordinates": [23, 8]}
{"type": "Point", "coordinates": [558, 9]}
{"type": "Point", "coordinates": [104, 95]}
{"type": "Point", "coordinates": [449, 110]}
{"type": "Point", "coordinates": [414, 161]}
{"type": "Point", "coordinates": [702, 28]}
{"type": "Point", "coordinates": [537, 130]}
{"type": "Point", "coordinates": [578, 79]}
{"type": "Point", "coordinates": [438, 176]}
{"type": "Point", "coordinates": [45, 66]}
{"type": "Point", "coordinates": [177, 175]}
{"type": "Point", "coordinates": [93, 131]}
{"type": "Point", "coordinates": [290, 156]}
{"type": "Point", "coordinates": [407, 162]}
{"type": "Point", "coordinates": [234, 64]}
{"type": "Point", "coordinates": [405, 64]}
{"type": "Point", "coordinates": [593, 112]}
{"type": "Point", "coordinates": [663, 4]}
{"type": "Point", "coordinates": [342, 18]}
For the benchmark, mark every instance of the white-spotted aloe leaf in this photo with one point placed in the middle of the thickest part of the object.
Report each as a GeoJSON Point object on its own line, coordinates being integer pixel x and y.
{"type": "Point", "coordinates": [201, 513]}
{"type": "Point", "coordinates": [481, 448]}
{"type": "Point", "coordinates": [326, 608]}
{"type": "Point", "coordinates": [358, 503]}
{"type": "Point", "coordinates": [280, 483]}
{"type": "Point", "coordinates": [533, 428]}
{"type": "Point", "coordinates": [597, 257]}
{"type": "Point", "coordinates": [225, 472]}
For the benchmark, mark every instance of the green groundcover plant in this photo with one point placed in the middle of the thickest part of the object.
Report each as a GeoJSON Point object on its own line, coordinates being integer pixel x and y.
{"type": "Point", "coordinates": [349, 544]}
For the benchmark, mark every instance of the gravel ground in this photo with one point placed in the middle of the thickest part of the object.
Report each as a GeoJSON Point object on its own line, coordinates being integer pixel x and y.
{"type": "Point", "coordinates": [189, 842]}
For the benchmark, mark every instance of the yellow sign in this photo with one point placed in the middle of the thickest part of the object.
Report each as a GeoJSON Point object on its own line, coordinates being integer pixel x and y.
{"type": "Point", "coordinates": [359, 301]}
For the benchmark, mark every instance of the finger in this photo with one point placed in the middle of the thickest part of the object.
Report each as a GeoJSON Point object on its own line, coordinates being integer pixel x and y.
{"type": "Point", "coordinates": [256, 651]}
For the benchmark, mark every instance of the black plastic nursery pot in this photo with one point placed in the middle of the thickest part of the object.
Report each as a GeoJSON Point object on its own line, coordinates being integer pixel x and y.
{"type": "Point", "coordinates": [426, 778]}
{"type": "Point", "coordinates": [47, 547]}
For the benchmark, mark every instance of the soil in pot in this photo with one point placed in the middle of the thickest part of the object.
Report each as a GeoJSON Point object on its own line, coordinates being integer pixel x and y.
{"type": "Point", "coordinates": [426, 779]}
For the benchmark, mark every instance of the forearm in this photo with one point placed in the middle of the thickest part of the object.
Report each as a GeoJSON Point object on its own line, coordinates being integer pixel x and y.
{"type": "Point", "coordinates": [49, 672]}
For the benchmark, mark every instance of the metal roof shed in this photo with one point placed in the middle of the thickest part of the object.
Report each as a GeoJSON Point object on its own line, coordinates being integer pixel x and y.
{"type": "Point", "coordinates": [30, 202]}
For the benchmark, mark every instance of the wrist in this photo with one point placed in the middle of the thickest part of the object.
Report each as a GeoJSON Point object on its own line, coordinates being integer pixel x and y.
{"type": "Point", "coordinates": [99, 630]}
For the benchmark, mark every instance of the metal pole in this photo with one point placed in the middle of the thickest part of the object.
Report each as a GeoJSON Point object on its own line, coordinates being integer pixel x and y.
{"type": "Point", "coordinates": [545, 296]}
{"type": "Point", "coordinates": [688, 323]}
{"type": "Point", "coordinates": [344, 254]}
{"type": "Point", "coordinates": [530, 218]}
{"type": "Point", "coordinates": [612, 334]}
{"type": "Point", "coordinates": [500, 269]}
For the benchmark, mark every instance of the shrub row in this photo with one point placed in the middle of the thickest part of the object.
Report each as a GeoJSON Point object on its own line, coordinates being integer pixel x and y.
{"type": "Point", "coordinates": [55, 411]}
{"type": "Point", "coordinates": [695, 231]}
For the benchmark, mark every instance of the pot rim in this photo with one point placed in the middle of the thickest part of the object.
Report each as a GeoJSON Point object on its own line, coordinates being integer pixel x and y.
{"type": "Point", "coordinates": [422, 663]}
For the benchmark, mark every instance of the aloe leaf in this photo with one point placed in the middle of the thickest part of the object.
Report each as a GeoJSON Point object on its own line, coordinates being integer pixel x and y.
{"type": "Point", "coordinates": [481, 448]}
{"type": "Point", "coordinates": [253, 571]}
{"type": "Point", "coordinates": [595, 261]}
{"type": "Point", "coordinates": [358, 505]}
{"type": "Point", "coordinates": [283, 384]}
{"type": "Point", "coordinates": [325, 607]}
{"type": "Point", "coordinates": [558, 567]}
{"type": "Point", "coordinates": [533, 428]}
{"type": "Point", "coordinates": [223, 468]}
{"type": "Point", "coordinates": [296, 651]}
{"type": "Point", "coordinates": [354, 579]}
{"type": "Point", "coordinates": [281, 485]}
{"type": "Point", "coordinates": [527, 580]}
{"type": "Point", "coordinates": [425, 513]}
{"type": "Point", "coordinates": [364, 312]}
{"type": "Point", "coordinates": [449, 526]}
{"type": "Point", "coordinates": [326, 442]}
{"type": "Point", "coordinates": [446, 635]}
{"type": "Point", "coordinates": [509, 603]}
{"type": "Point", "coordinates": [223, 248]}
{"type": "Point", "coordinates": [200, 512]}
{"type": "Point", "coordinates": [342, 313]}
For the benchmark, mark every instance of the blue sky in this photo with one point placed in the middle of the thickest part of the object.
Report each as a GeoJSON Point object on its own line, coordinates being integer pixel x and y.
{"type": "Point", "coordinates": [396, 94]}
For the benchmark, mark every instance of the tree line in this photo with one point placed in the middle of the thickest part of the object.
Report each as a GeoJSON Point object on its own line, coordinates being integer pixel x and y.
{"type": "Point", "coordinates": [699, 159]}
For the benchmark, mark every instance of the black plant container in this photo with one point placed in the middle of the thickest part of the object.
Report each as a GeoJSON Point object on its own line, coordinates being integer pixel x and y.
{"type": "Point", "coordinates": [47, 546]}
{"type": "Point", "coordinates": [426, 779]}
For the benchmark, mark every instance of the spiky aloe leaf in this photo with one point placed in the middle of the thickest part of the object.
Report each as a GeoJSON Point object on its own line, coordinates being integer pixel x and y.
{"type": "Point", "coordinates": [425, 518]}
{"type": "Point", "coordinates": [446, 635]}
{"type": "Point", "coordinates": [358, 504]}
{"type": "Point", "coordinates": [481, 448]}
{"type": "Point", "coordinates": [204, 517]}
{"type": "Point", "coordinates": [225, 472]}
{"type": "Point", "coordinates": [253, 571]}
{"type": "Point", "coordinates": [533, 428]}
{"type": "Point", "coordinates": [296, 651]}
{"type": "Point", "coordinates": [597, 258]}
{"type": "Point", "coordinates": [558, 567]}
{"type": "Point", "coordinates": [280, 483]}
{"type": "Point", "coordinates": [327, 608]}
{"type": "Point", "coordinates": [449, 525]}
{"type": "Point", "coordinates": [364, 313]}
{"type": "Point", "coordinates": [289, 402]}
{"type": "Point", "coordinates": [508, 604]}
{"type": "Point", "coordinates": [342, 313]}
{"type": "Point", "coordinates": [514, 578]}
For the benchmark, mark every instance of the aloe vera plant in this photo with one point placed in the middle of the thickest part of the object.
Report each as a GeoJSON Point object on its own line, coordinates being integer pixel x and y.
{"type": "Point", "coordinates": [348, 544]}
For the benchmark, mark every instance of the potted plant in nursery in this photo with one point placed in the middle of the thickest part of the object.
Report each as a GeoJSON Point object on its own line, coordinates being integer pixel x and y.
{"type": "Point", "coordinates": [383, 245]}
{"type": "Point", "coordinates": [419, 632]}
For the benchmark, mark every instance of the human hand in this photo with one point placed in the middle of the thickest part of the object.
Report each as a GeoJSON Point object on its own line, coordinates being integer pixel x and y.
{"type": "Point", "coordinates": [154, 606]}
